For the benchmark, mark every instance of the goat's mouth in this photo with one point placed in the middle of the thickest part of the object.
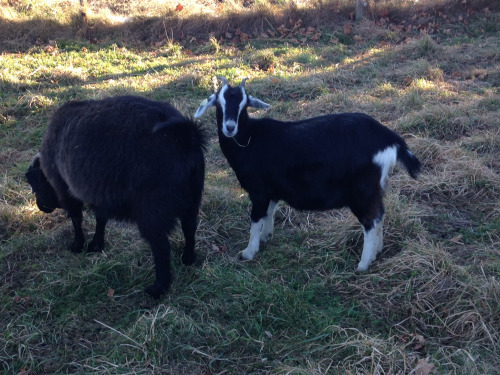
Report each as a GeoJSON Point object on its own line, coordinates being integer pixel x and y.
{"type": "Point", "coordinates": [229, 134]}
{"type": "Point", "coordinates": [230, 128]}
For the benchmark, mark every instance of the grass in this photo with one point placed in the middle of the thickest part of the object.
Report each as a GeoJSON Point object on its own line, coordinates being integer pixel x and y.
{"type": "Point", "coordinates": [432, 298]}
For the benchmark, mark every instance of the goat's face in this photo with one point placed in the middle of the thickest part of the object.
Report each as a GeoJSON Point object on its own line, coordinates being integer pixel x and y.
{"type": "Point", "coordinates": [230, 102]}
{"type": "Point", "coordinates": [46, 198]}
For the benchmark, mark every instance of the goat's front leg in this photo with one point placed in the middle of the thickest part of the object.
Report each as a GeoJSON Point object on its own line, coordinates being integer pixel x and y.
{"type": "Point", "coordinates": [74, 209]}
{"type": "Point", "coordinates": [258, 216]}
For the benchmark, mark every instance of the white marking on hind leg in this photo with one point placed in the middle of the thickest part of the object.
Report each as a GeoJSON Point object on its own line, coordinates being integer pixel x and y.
{"type": "Point", "coordinates": [268, 226]}
{"type": "Point", "coordinates": [373, 240]}
{"type": "Point", "coordinates": [253, 243]}
{"type": "Point", "coordinates": [386, 159]}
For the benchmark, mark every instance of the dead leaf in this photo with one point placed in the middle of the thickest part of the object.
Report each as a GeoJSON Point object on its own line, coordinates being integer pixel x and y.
{"type": "Point", "coordinates": [17, 299]}
{"type": "Point", "coordinates": [276, 80]}
{"type": "Point", "coordinates": [457, 239]}
{"type": "Point", "coordinates": [111, 292]}
{"type": "Point", "coordinates": [423, 367]}
{"type": "Point", "coordinates": [316, 37]}
{"type": "Point", "coordinates": [407, 81]}
{"type": "Point", "coordinates": [179, 7]}
{"type": "Point", "coordinates": [347, 28]}
{"type": "Point", "coordinates": [358, 38]}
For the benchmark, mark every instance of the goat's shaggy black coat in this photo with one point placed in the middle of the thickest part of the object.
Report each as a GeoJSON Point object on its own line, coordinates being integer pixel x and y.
{"type": "Point", "coordinates": [127, 158]}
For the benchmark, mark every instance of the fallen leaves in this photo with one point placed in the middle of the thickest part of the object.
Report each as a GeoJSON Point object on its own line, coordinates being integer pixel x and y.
{"type": "Point", "coordinates": [347, 28]}
{"type": "Point", "coordinates": [423, 367]}
{"type": "Point", "coordinates": [179, 7]}
{"type": "Point", "coordinates": [221, 249]}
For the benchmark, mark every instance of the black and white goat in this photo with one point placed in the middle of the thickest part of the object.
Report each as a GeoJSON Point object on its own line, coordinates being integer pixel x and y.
{"type": "Point", "coordinates": [127, 158]}
{"type": "Point", "coordinates": [326, 162]}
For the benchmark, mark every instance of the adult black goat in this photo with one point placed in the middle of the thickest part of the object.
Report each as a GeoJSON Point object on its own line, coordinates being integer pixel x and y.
{"type": "Point", "coordinates": [128, 158]}
{"type": "Point", "coordinates": [332, 161]}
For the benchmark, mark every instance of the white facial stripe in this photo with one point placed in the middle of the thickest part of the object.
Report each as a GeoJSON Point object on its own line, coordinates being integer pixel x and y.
{"type": "Point", "coordinates": [386, 159]}
{"type": "Point", "coordinates": [222, 102]}
{"type": "Point", "coordinates": [229, 121]}
{"type": "Point", "coordinates": [243, 103]}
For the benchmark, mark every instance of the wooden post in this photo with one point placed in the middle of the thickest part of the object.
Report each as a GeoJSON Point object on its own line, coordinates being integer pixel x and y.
{"type": "Point", "coordinates": [359, 10]}
{"type": "Point", "coordinates": [83, 12]}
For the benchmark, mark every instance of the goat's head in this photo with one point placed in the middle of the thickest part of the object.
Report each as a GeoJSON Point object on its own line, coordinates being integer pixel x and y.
{"type": "Point", "coordinates": [46, 197]}
{"type": "Point", "coordinates": [230, 102]}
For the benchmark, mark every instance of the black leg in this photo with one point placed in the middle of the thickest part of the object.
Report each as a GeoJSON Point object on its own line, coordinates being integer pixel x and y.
{"type": "Point", "coordinates": [97, 243]}
{"type": "Point", "coordinates": [74, 209]}
{"type": "Point", "coordinates": [189, 229]}
{"type": "Point", "coordinates": [160, 247]}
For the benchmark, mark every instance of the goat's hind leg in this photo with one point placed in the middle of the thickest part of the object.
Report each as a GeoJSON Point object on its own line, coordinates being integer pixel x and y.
{"type": "Point", "coordinates": [258, 216]}
{"type": "Point", "coordinates": [97, 243]}
{"type": "Point", "coordinates": [189, 225]}
{"type": "Point", "coordinates": [268, 224]}
{"type": "Point", "coordinates": [372, 244]}
{"type": "Point", "coordinates": [371, 216]}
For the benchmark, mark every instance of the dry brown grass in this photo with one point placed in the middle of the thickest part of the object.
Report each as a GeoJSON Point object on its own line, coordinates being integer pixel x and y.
{"type": "Point", "coordinates": [432, 297]}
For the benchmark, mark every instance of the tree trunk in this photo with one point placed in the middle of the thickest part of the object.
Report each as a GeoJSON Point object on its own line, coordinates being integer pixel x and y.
{"type": "Point", "coordinates": [359, 10]}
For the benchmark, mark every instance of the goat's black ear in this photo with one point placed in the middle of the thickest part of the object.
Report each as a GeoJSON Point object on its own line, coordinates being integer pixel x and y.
{"type": "Point", "coordinates": [210, 102]}
{"type": "Point", "coordinates": [257, 103]}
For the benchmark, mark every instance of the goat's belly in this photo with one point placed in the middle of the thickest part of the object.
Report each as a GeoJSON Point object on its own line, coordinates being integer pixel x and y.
{"type": "Point", "coordinates": [315, 202]}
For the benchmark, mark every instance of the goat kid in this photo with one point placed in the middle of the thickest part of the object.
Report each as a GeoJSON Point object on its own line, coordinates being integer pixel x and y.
{"type": "Point", "coordinates": [321, 163]}
{"type": "Point", "coordinates": [128, 158]}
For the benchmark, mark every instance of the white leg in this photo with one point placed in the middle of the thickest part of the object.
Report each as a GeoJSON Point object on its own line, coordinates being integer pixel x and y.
{"type": "Point", "coordinates": [268, 226]}
{"type": "Point", "coordinates": [380, 236]}
{"type": "Point", "coordinates": [373, 240]}
{"type": "Point", "coordinates": [253, 243]}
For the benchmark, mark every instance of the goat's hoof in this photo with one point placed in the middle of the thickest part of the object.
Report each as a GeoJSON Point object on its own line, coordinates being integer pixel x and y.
{"type": "Point", "coordinates": [265, 237]}
{"type": "Point", "coordinates": [244, 255]}
{"type": "Point", "coordinates": [188, 259]}
{"type": "Point", "coordinates": [156, 291]}
{"type": "Point", "coordinates": [76, 247]}
{"type": "Point", "coordinates": [362, 268]}
{"type": "Point", "coordinates": [95, 247]}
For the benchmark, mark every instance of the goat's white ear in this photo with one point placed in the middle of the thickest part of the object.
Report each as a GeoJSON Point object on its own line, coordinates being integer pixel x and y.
{"type": "Point", "coordinates": [210, 102]}
{"type": "Point", "coordinates": [257, 103]}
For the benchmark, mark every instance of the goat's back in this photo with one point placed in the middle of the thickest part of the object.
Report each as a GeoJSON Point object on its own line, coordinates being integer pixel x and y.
{"type": "Point", "coordinates": [113, 152]}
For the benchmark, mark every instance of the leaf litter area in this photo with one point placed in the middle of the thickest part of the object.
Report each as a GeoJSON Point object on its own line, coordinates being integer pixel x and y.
{"type": "Point", "coordinates": [429, 305]}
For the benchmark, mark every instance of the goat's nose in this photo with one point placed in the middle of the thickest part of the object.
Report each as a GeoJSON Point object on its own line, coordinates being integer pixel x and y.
{"type": "Point", "coordinates": [230, 128]}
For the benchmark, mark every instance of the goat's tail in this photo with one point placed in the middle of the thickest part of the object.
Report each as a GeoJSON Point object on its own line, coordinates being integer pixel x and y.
{"type": "Point", "coordinates": [410, 161]}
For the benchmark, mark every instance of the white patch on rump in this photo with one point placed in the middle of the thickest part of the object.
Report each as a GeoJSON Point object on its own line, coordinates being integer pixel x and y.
{"type": "Point", "coordinates": [386, 159]}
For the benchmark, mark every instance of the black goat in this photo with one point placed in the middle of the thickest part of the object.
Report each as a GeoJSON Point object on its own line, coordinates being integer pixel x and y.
{"type": "Point", "coordinates": [332, 161]}
{"type": "Point", "coordinates": [127, 158]}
